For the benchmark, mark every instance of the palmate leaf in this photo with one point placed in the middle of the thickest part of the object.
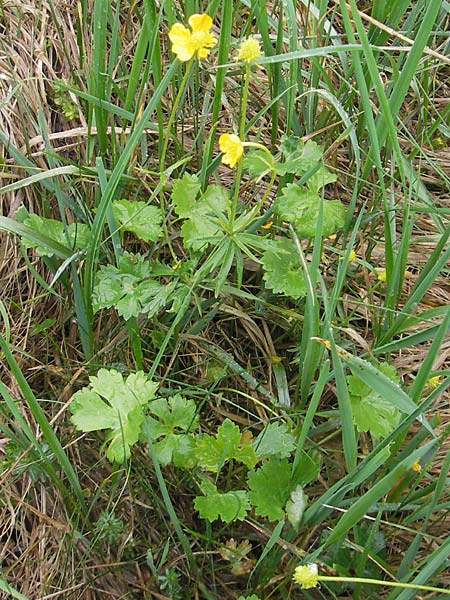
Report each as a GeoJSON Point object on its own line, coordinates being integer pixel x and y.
{"type": "Point", "coordinates": [112, 403]}
{"type": "Point", "coordinates": [270, 488]}
{"type": "Point", "coordinates": [298, 157]}
{"type": "Point", "coordinates": [228, 506]}
{"type": "Point", "coordinates": [176, 416]}
{"type": "Point", "coordinates": [213, 451]}
{"type": "Point", "coordinates": [129, 289]}
{"type": "Point", "coordinates": [371, 412]}
{"type": "Point", "coordinates": [283, 272]}
{"type": "Point", "coordinates": [258, 163]}
{"type": "Point", "coordinates": [139, 218]}
{"type": "Point", "coordinates": [204, 213]}
{"type": "Point", "coordinates": [78, 234]}
{"type": "Point", "coordinates": [301, 206]}
{"type": "Point", "coordinates": [274, 440]}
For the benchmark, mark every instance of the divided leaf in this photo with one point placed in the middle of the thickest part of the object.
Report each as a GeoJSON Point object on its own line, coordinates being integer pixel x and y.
{"type": "Point", "coordinates": [274, 440]}
{"type": "Point", "coordinates": [184, 194]}
{"type": "Point", "coordinates": [78, 233]}
{"type": "Point", "coordinates": [139, 218]}
{"type": "Point", "coordinates": [270, 488]}
{"type": "Point", "coordinates": [129, 288]}
{"type": "Point", "coordinates": [176, 416]}
{"type": "Point", "coordinates": [301, 207]}
{"type": "Point", "coordinates": [228, 506]}
{"type": "Point", "coordinates": [213, 451]}
{"type": "Point", "coordinates": [122, 412]}
{"type": "Point", "coordinates": [371, 412]}
{"type": "Point", "coordinates": [258, 163]}
{"type": "Point", "coordinates": [283, 272]}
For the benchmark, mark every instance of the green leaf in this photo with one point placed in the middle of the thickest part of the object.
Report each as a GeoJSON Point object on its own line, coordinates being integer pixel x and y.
{"type": "Point", "coordinates": [184, 194]}
{"type": "Point", "coordinates": [129, 289]}
{"type": "Point", "coordinates": [258, 163]}
{"type": "Point", "coordinates": [200, 230]}
{"type": "Point", "coordinates": [216, 200]}
{"type": "Point", "coordinates": [139, 218]}
{"type": "Point", "coordinates": [176, 417]}
{"type": "Point", "coordinates": [270, 488]}
{"type": "Point", "coordinates": [308, 467]}
{"type": "Point", "coordinates": [295, 506]}
{"type": "Point", "coordinates": [301, 207]}
{"type": "Point", "coordinates": [274, 440]}
{"type": "Point", "coordinates": [228, 506]}
{"type": "Point", "coordinates": [78, 234]}
{"type": "Point", "coordinates": [371, 412]}
{"type": "Point", "coordinates": [299, 158]}
{"type": "Point", "coordinates": [122, 412]}
{"type": "Point", "coordinates": [214, 451]}
{"type": "Point", "coordinates": [320, 179]}
{"type": "Point", "coordinates": [283, 272]}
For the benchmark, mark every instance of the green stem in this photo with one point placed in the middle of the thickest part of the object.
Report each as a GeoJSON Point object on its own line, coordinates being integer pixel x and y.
{"type": "Point", "coordinates": [242, 122]}
{"type": "Point", "coordinates": [173, 114]}
{"type": "Point", "coordinates": [164, 150]}
{"type": "Point", "coordinates": [398, 584]}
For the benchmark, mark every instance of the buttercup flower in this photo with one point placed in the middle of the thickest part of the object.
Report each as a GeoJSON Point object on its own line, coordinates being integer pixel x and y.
{"type": "Point", "coordinates": [382, 276]}
{"type": "Point", "coordinates": [186, 43]}
{"type": "Point", "coordinates": [307, 576]}
{"type": "Point", "coordinates": [249, 50]}
{"type": "Point", "coordinates": [232, 148]}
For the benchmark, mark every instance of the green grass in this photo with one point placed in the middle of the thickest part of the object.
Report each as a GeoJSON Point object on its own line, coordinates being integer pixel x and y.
{"type": "Point", "coordinates": [376, 506]}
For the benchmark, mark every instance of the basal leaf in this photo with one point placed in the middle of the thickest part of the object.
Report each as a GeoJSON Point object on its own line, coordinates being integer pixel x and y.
{"type": "Point", "coordinates": [320, 179]}
{"type": "Point", "coordinates": [129, 289]}
{"type": "Point", "coordinates": [270, 487]}
{"type": "Point", "coordinates": [78, 234]}
{"type": "Point", "coordinates": [371, 412]}
{"type": "Point", "coordinates": [184, 194]}
{"type": "Point", "coordinates": [228, 506]}
{"type": "Point", "coordinates": [121, 410]}
{"type": "Point", "coordinates": [200, 230]}
{"type": "Point", "coordinates": [274, 439]}
{"type": "Point", "coordinates": [258, 163]}
{"type": "Point", "coordinates": [139, 218]}
{"type": "Point", "coordinates": [282, 270]}
{"type": "Point", "coordinates": [175, 417]}
{"type": "Point", "coordinates": [215, 200]}
{"type": "Point", "coordinates": [214, 451]}
{"type": "Point", "coordinates": [301, 207]}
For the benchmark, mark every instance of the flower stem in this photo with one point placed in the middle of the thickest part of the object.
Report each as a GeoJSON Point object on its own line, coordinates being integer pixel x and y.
{"type": "Point", "coordinates": [398, 584]}
{"type": "Point", "coordinates": [242, 121]}
{"type": "Point", "coordinates": [173, 114]}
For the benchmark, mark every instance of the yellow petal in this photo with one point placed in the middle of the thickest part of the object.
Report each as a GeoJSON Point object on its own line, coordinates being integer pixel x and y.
{"type": "Point", "coordinates": [232, 148]}
{"type": "Point", "coordinates": [200, 23]}
{"type": "Point", "coordinates": [181, 39]}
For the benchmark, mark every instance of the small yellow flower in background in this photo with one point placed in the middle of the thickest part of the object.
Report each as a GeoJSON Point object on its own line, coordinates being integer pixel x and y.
{"type": "Point", "coordinates": [186, 43]}
{"type": "Point", "coordinates": [307, 576]}
{"type": "Point", "coordinates": [417, 467]}
{"type": "Point", "coordinates": [381, 275]}
{"type": "Point", "coordinates": [267, 225]}
{"type": "Point", "coordinates": [249, 50]}
{"type": "Point", "coordinates": [232, 148]}
{"type": "Point", "coordinates": [433, 382]}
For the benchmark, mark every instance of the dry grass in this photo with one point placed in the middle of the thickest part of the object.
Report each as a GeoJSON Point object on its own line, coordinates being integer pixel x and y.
{"type": "Point", "coordinates": [42, 552]}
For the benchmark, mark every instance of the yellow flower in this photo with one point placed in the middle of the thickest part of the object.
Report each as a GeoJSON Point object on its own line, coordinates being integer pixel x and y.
{"type": "Point", "coordinates": [417, 467]}
{"type": "Point", "coordinates": [306, 575]}
{"type": "Point", "coordinates": [433, 382]}
{"type": "Point", "coordinates": [186, 43]}
{"type": "Point", "coordinates": [232, 148]}
{"type": "Point", "coordinates": [249, 50]}
{"type": "Point", "coordinates": [381, 275]}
